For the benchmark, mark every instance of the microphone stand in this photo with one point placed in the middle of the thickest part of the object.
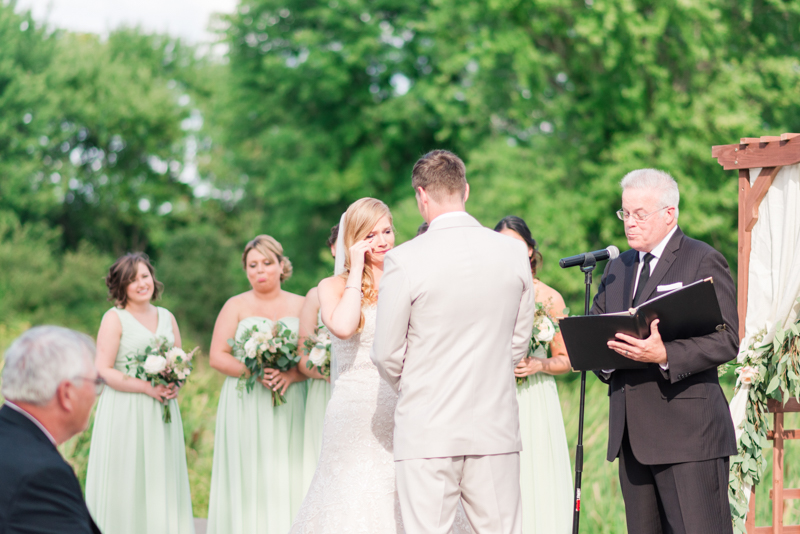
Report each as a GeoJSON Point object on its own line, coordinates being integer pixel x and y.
{"type": "Point", "coordinates": [589, 263]}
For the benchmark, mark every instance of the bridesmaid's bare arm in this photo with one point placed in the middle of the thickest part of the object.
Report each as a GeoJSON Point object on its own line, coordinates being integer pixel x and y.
{"type": "Point", "coordinates": [176, 332]}
{"type": "Point", "coordinates": [220, 356]}
{"type": "Point", "coordinates": [308, 323]}
{"type": "Point", "coordinates": [558, 363]}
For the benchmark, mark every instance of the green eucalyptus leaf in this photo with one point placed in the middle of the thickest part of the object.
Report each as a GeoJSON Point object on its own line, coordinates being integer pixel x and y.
{"type": "Point", "coordinates": [773, 384]}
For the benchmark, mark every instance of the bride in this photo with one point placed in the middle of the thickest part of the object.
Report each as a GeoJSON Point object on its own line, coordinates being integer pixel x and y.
{"type": "Point", "coordinates": [353, 489]}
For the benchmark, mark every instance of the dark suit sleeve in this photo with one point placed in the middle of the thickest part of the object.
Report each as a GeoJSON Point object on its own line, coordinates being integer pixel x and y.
{"type": "Point", "coordinates": [49, 501]}
{"type": "Point", "coordinates": [690, 356]}
{"type": "Point", "coordinates": [599, 303]}
{"type": "Point", "coordinates": [599, 307]}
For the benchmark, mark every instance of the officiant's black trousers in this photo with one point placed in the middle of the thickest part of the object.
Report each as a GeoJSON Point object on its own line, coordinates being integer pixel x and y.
{"type": "Point", "coordinates": [686, 498]}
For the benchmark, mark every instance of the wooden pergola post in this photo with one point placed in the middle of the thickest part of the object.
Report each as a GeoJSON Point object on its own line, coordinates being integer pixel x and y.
{"type": "Point", "coordinates": [769, 153]}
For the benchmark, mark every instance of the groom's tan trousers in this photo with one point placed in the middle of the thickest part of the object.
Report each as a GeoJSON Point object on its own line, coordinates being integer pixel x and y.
{"type": "Point", "coordinates": [488, 487]}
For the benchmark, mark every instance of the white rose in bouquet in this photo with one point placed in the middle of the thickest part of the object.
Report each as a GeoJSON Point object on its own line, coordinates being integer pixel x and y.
{"type": "Point", "coordinates": [155, 364]}
{"type": "Point", "coordinates": [324, 338]}
{"type": "Point", "coordinates": [318, 356]}
{"type": "Point", "coordinates": [546, 330]}
{"type": "Point", "coordinates": [263, 337]}
{"type": "Point", "coordinates": [251, 347]}
{"type": "Point", "coordinates": [173, 354]}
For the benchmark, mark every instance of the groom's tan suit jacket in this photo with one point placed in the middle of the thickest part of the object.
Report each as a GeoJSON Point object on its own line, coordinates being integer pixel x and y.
{"type": "Point", "coordinates": [455, 315]}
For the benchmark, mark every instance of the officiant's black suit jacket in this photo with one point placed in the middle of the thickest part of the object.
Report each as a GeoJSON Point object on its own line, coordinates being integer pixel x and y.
{"type": "Point", "coordinates": [38, 489]}
{"type": "Point", "coordinates": [679, 415]}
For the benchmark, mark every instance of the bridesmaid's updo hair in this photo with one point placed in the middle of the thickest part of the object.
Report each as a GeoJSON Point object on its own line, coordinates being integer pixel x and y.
{"type": "Point", "coordinates": [334, 235]}
{"type": "Point", "coordinates": [268, 246]}
{"type": "Point", "coordinates": [123, 272]}
{"type": "Point", "coordinates": [518, 225]}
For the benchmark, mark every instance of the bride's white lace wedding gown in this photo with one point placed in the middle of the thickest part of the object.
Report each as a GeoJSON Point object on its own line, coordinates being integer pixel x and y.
{"type": "Point", "coordinates": [353, 490]}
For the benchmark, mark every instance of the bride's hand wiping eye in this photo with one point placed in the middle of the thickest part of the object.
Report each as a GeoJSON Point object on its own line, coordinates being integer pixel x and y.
{"type": "Point", "coordinates": [358, 254]}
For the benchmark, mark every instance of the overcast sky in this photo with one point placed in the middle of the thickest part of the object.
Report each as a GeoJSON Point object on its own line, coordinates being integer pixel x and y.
{"type": "Point", "coordinates": [181, 18]}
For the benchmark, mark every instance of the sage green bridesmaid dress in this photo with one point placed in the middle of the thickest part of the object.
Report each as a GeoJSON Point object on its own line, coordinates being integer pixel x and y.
{"type": "Point", "coordinates": [137, 480]}
{"type": "Point", "coordinates": [257, 475]}
{"type": "Point", "coordinates": [319, 393]}
{"type": "Point", "coordinates": [545, 472]}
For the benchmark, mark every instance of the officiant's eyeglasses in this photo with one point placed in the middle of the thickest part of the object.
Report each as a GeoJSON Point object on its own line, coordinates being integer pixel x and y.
{"type": "Point", "coordinates": [624, 216]}
{"type": "Point", "coordinates": [99, 383]}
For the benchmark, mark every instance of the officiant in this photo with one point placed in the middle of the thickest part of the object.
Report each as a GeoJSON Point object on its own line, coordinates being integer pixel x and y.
{"type": "Point", "coordinates": [669, 423]}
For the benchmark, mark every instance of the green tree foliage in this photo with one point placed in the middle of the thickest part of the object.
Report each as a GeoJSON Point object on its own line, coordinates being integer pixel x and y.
{"type": "Point", "coordinates": [90, 132]}
{"type": "Point", "coordinates": [25, 55]}
{"type": "Point", "coordinates": [201, 270]}
{"type": "Point", "coordinates": [39, 284]}
{"type": "Point", "coordinates": [115, 149]}
{"type": "Point", "coordinates": [550, 102]}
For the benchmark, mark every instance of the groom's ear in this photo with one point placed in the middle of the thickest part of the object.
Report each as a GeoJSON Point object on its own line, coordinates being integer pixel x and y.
{"type": "Point", "coordinates": [466, 193]}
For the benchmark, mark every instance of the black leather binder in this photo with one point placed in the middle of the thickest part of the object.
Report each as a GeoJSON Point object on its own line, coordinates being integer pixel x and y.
{"type": "Point", "coordinates": [689, 311]}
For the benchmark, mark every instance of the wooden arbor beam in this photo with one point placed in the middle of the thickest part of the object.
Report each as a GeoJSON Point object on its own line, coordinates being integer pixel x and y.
{"type": "Point", "coordinates": [770, 153]}
{"type": "Point", "coordinates": [753, 152]}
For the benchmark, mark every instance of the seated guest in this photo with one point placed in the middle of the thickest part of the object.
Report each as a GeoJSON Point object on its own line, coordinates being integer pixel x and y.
{"type": "Point", "coordinates": [50, 385]}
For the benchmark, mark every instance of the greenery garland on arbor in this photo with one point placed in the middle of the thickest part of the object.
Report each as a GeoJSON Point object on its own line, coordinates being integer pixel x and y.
{"type": "Point", "coordinates": [768, 369]}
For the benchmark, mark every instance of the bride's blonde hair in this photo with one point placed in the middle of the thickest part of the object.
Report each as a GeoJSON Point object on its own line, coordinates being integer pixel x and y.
{"type": "Point", "coordinates": [359, 220]}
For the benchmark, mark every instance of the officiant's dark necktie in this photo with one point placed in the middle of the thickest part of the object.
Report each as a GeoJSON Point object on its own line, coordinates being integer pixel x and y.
{"type": "Point", "coordinates": [643, 278]}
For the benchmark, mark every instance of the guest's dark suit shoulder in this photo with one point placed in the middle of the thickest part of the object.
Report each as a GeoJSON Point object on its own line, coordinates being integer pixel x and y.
{"type": "Point", "coordinates": [39, 493]}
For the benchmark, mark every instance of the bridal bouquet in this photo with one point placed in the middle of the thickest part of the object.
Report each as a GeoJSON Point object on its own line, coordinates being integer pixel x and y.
{"type": "Point", "coordinates": [318, 348]}
{"type": "Point", "coordinates": [163, 365]}
{"type": "Point", "coordinates": [545, 327]}
{"type": "Point", "coordinates": [265, 346]}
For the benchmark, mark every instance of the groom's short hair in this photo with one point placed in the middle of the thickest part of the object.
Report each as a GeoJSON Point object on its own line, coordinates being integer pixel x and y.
{"type": "Point", "coordinates": [441, 174]}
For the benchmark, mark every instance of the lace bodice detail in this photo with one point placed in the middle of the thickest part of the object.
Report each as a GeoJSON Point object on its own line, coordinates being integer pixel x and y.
{"type": "Point", "coordinates": [353, 353]}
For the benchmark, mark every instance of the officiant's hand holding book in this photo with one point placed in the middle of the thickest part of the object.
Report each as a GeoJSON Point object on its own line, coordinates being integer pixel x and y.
{"type": "Point", "coordinates": [685, 312]}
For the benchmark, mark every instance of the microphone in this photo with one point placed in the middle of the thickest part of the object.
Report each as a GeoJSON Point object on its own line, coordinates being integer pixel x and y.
{"type": "Point", "coordinates": [609, 253]}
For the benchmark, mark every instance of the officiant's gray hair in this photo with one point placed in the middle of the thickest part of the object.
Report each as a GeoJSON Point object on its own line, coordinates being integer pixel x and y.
{"type": "Point", "coordinates": [654, 179]}
{"type": "Point", "coordinates": [41, 359]}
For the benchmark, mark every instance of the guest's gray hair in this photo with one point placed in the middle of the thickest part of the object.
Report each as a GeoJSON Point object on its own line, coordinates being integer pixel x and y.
{"type": "Point", "coordinates": [41, 359]}
{"type": "Point", "coordinates": [654, 179]}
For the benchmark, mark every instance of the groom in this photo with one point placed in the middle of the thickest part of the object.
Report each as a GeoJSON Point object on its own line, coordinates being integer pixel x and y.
{"type": "Point", "coordinates": [455, 315]}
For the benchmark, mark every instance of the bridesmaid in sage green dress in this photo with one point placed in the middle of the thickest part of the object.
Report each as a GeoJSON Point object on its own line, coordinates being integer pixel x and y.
{"type": "Point", "coordinates": [319, 392]}
{"type": "Point", "coordinates": [319, 387]}
{"type": "Point", "coordinates": [137, 479]}
{"type": "Point", "coordinates": [545, 472]}
{"type": "Point", "coordinates": [257, 475]}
